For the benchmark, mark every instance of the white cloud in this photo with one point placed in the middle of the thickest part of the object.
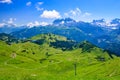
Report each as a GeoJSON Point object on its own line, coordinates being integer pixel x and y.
{"type": "Point", "coordinates": [11, 20]}
{"type": "Point", "coordinates": [86, 14]}
{"type": "Point", "coordinates": [8, 23]}
{"type": "Point", "coordinates": [28, 3]}
{"type": "Point", "coordinates": [30, 24]}
{"type": "Point", "coordinates": [73, 13]}
{"type": "Point", "coordinates": [40, 3]}
{"type": "Point", "coordinates": [114, 28]}
{"type": "Point", "coordinates": [76, 14]}
{"type": "Point", "coordinates": [43, 23]}
{"type": "Point", "coordinates": [6, 1]}
{"type": "Point", "coordinates": [2, 24]}
{"type": "Point", "coordinates": [37, 6]}
{"type": "Point", "coordinates": [36, 23]}
{"type": "Point", "coordinates": [50, 14]}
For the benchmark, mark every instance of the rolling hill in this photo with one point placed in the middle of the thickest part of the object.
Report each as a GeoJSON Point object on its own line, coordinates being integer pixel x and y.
{"type": "Point", "coordinates": [33, 61]}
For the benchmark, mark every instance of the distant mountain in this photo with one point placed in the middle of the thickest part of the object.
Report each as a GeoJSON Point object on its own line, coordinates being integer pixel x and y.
{"type": "Point", "coordinates": [99, 22]}
{"type": "Point", "coordinates": [113, 42]}
{"type": "Point", "coordinates": [116, 21]}
{"type": "Point", "coordinates": [72, 33]}
{"type": "Point", "coordinates": [110, 25]}
{"type": "Point", "coordinates": [65, 21]}
{"type": "Point", "coordinates": [74, 30]}
{"type": "Point", "coordinates": [10, 28]}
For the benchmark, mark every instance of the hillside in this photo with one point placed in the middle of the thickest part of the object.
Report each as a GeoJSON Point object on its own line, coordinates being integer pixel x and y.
{"type": "Point", "coordinates": [31, 61]}
{"type": "Point", "coordinates": [8, 38]}
{"type": "Point", "coordinates": [49, 37]}
{"type": "Point", "coordinates": [53, 40]}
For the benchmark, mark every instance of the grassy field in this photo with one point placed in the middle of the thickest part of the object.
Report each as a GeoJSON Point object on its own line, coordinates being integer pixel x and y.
{"type": "Point", "coordinates": [30, 61]}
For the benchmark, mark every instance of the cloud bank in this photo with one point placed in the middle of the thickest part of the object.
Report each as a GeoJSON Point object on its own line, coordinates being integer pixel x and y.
{"type": "Point", "coordinates": [50, 14]}
{"type": "Point", "coordinates": [6, 1]}
{"type": "Point", "coordinates": [36, 23]}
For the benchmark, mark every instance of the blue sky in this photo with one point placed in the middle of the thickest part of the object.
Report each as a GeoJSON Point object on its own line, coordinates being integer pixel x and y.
{"type": "Point", "coordinates": [35, 12]}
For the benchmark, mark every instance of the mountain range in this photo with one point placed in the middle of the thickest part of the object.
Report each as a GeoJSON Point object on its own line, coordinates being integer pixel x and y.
{"type": "Point", "coordinates": [98, 32]}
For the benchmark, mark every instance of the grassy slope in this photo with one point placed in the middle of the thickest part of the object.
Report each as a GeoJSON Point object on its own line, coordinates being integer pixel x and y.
{"type": "Point", "coordinates": [49, 37]}
{"type": "Point", "coordinates": [41, 62]}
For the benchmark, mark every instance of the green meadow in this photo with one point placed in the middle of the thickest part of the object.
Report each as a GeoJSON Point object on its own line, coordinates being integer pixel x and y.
{"type": "Point", "coordinates": [38, 59]}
